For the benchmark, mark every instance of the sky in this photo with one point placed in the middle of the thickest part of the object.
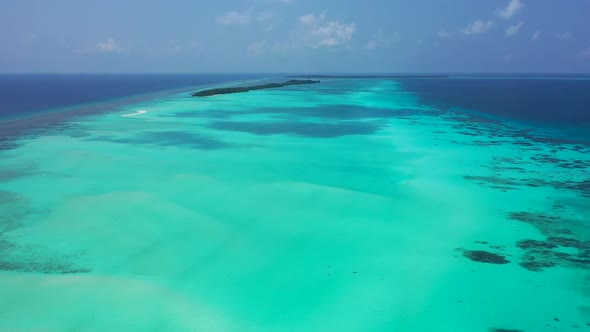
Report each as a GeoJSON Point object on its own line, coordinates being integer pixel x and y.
{"type": "Point", "coordinates": [295, 36]}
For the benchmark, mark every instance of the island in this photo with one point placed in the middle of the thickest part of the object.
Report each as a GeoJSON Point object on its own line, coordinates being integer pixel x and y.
{"type": "Point", "coordinates": [223, 91]}
{"type": "Point", "coordinates": [373, 76]}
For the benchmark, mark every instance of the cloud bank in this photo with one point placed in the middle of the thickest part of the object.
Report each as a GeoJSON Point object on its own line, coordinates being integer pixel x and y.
{"type": "Point", "coordinates": [326, 34]}
{"type": "Point", "coordinates": [513, 8]}
{"type": "Point", "coordinates": [110, 45]}
{"type": "Point", "coordinates": [235, 17]}
{"type": "Point", "coordinates": [477, 27]}
{"type": "Point", "coordinates": [513, 30]}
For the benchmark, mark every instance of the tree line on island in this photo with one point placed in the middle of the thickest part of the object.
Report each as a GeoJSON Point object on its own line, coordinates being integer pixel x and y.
{"type": "Point", "coordinates": [223, 91]}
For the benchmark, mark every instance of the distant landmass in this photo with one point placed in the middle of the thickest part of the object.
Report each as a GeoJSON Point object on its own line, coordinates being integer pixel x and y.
{"type": "Point", "coordinates": [223, 91]}
{"type": "Point", "coordinates": [372, 76]}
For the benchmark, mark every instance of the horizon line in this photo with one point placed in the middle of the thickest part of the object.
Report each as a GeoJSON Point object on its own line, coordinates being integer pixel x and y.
{"type": "Point", "coordinates": [296, 73]}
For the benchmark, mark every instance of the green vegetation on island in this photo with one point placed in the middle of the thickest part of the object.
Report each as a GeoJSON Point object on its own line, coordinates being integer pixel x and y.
{"type": "Point", "coordinates": [223, 91]}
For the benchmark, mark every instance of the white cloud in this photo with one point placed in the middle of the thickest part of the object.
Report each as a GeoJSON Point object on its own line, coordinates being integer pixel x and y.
{"type": "Point", "coordinates": [444, 33]}
{"type": "Point", "coordinates": [371, 45]}
{"type": "Point", "coordinates": [265, 16]}
{"type": "Point", "coordinates": [257, 47]}
{"type": "Point", "coordinates": [110, 45]}
{"type": "Point", "coordinates": [513, 8]}
{"type": "Point", "coordinates": [235, 17]}
{"type": "Point", "coordinates": [382, 40]}
{"type": "Point", "coordinates": [564, 35]}
{"type": "Point", "coordinates": [326, 34]}
{"type": "Point", "coordinates": [276, 1]}
{"type": "Point", "coordinates": [536, 36]}
{"type": "Point", "coordinates": [477, 27]}
{"type": "Point", "coordinates": [513, 29]}
{"type": "Point", "coordinates": [268, 20]}
{"type": "Point", "coordinates": [281, 47]}
{"type": "Point", "coordinates": [310, 19]}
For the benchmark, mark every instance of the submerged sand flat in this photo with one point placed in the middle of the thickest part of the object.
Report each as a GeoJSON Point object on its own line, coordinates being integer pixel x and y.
{"type": "Point", "coordinates": [343, 206]}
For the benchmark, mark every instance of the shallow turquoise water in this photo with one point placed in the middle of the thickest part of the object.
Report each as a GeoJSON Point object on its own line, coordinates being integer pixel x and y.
{"type": "Point", "coordinates": [343, 206]}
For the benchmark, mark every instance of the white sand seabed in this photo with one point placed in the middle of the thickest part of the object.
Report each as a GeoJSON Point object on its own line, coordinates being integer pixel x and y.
{"type": "Point", "coordinates": [222, 215]}
{"type": "Point", "coordinates": [135, 113]}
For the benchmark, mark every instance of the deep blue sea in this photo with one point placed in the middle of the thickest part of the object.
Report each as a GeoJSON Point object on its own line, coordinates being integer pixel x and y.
{"type": "Point", "coordinates": [540, 100]}
{"type": "Point", "coordinates": [549, 102]}
{"type": "Point", "coordinates": [30, 93]}
{"type": "Point", "coordinates": [557, 105]}
{"type": "Point", "coordinates": [369, 204]}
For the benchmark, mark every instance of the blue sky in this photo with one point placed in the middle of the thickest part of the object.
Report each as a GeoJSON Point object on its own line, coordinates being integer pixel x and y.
{"type": "Point", "coordinates": [295, 36]}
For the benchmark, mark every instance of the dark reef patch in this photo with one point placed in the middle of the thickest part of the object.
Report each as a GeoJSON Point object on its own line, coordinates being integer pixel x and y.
{"type": "Point", "coordinates": [491, 246]}
{"type": "Point", "coordinates": [202, 114]}
{"type": "Point", "coordinates": [542, 221]}
{"type": "Point", "coordinates": [305, 129]}
{"type": "Point", "coordinates": [536, 263]}
{"type": "Point", "coordinates": [5, 246]}
{"type": "Point", "coordinates": [562, 163]}
{"type": "Point", "coordinates": [333, 112]}
{"type": "Point", "coordinates": [13, 208]}
{"type": "Point", "coordinates": [499, 182]}
{"type": "Point", "coordinates": [8, 143]}
{"type": "Point", "coordinates": [485, 257]}
{"type": "Point", "coordinates": [170, 138]}
{"type": "Point", "coordinates": [582, 187]}
{"type": "Point", "coordinates": [27, 258]}
{"type": "Point", "coordinates": [493, 181]}
{"type": "Point", "coordinates": [497, 133]}
{"type": "Point", "coordinates": [338, 112]}
{"type": "Point", "coordinates": [565, 247]}
{"type": "Point", "coordinates": [14, 172]}
{"type": "Point", "coordinates": [535, 244]}
{"type": "Point", "coordinates": [46, 267]}
{"type": "Point", "coordinates": [14, 133]}
{"type": "Point", "coordinates": [17, 258]}
{"type": "Point", "coordinates": [569, 242]}
{"type": "Point", "coordinates": [550, 225]}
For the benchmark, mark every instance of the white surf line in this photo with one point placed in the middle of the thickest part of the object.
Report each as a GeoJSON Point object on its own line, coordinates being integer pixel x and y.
{"type": "Point", "coordinates": [135, 113]}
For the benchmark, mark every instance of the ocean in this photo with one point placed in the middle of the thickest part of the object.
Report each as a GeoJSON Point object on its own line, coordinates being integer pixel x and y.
{"type": "Point", "coordinates": [355, 204]}
{"type": "Point", "coordinates": [27, 94]}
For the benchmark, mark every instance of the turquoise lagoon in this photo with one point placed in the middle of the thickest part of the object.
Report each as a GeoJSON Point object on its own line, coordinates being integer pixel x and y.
{"type": "Point", "coordinates": [349, 205]}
